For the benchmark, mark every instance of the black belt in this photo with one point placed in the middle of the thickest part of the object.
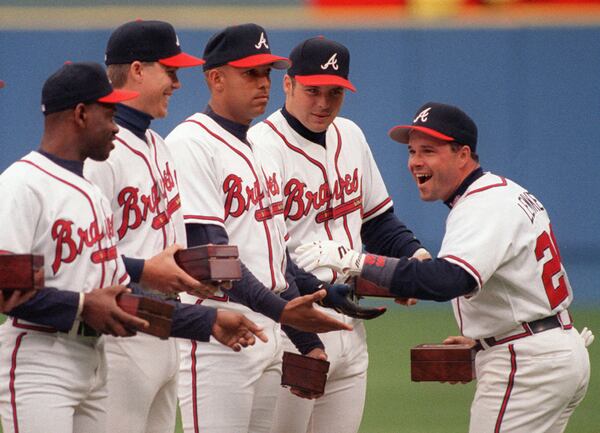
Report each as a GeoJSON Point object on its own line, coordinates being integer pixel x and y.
{"type": "Point", "coordinates": [85, 330]}
{"type": "Point", "coordinates": [535, 326]}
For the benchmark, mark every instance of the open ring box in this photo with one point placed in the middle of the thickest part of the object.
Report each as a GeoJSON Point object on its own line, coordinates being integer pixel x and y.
{"type": "Point", "coordinates": [305, 373]}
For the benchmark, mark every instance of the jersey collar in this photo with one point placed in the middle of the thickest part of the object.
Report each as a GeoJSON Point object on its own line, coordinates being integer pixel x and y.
{"type": "Point", "coordinates": [475, 174]}
{"type": "Point", "coordinates": [238, 130]}
{"type": "Point", "coordinates": [315, 137]}
{"type": "Point", "coordinates": [75, 167]}
{"type": "Point", "coordinates": [134, 120]}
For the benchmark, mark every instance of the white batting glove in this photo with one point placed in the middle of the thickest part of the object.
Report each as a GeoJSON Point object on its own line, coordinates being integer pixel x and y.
{"type": "Point", "coordinates": [329, 254]}
{"type": "Point", "coordinates": [587, 335]}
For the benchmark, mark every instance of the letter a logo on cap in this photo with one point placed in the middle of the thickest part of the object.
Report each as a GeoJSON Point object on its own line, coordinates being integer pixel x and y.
{"type": "Point", "coordinates": [262, 41]}
{"type": "Point", "coordinates": [422, 115]}
{"type": "Point", "coordinates": [331, 62]}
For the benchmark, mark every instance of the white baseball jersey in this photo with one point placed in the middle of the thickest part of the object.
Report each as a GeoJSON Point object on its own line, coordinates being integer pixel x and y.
{"type": "Point", "coordinates": [222, 184]}
{"type": "Point", "coordinates": [51, 211]}
{"type": "Point", "coordinates": [328, 193]}
{"type": "Point", "coordinates": [139, 178]}
{"type": "Point", "coordinates": [501, 235]}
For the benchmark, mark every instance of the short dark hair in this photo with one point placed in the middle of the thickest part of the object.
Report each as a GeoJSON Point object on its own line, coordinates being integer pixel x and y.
{"type": "Point", "coordinates": [457, 146]}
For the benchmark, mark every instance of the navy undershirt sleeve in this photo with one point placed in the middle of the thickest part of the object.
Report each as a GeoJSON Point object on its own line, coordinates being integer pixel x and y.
{"type": "Point", "coordinates": [386, 235]}
{"type": "Point", "coordinates": [435, 280]}
{"type": "Point", "coordinates": [134, 268]}
{"type": "Point", "coordinates": [248, 291]}
{"type": "Point", "coordinates": [49, 307]}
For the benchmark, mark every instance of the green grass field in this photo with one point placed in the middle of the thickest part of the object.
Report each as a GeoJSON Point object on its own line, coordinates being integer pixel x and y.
{"type": "Point", "coordinates": [397, 405]}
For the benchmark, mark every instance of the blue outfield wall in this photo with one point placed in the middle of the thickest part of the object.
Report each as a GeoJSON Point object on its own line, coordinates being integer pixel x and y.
{"type": "Point", "coordinates": [534, 93]}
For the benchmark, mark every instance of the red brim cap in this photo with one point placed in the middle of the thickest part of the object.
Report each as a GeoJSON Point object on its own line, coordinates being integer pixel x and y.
{"type": "Point", "coordinates": [325, 80]}
{"type": "Point", "coordinates": [400, 133]}
{"type": "Point", "coordinates": [260, 60]}
{"type": "Point", "coordinates": [182, 60]}
{"type": "Point", "coordinates": [118, 96]}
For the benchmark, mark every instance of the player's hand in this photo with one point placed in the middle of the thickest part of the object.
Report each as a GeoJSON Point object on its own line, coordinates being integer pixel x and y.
{"type": "Point", "coordinates": [316, 353]}
{"type": "Point", "coordinates": [301, 314]}
{"type": "Point", "coordinates": [339, 297]}
{"type": "Point", "coordinates": [234, 330]}
{"type": "Point", "coordinates": [332, 255]}
{"type": "Point", "coordinates": [101, 312]}
{"type": "Point", "coordinates": [10, 299]}
{"type": "Point", "coordinates": [162, 273]}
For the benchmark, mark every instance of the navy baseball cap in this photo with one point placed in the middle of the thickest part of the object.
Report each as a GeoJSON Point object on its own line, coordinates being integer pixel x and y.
{"type": "Point", "coordinates": [442, 121]}
{"type": "Point", "coordinates": [321, 62]}
{"type": "Point", "coordinates": [242, 46]}
{"type": "Point", "coordinates": [75, 83]}
{"type": "Point", "coordinates": [147, 41]}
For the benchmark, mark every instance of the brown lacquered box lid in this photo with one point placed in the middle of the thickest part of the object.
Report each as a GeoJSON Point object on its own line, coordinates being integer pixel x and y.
{"type": "Point", "coordinates": [206, 251]}
{"type": "Point", "coordinates": [443, 352]}
{"type": "Point", "coordinates": [305, 362]}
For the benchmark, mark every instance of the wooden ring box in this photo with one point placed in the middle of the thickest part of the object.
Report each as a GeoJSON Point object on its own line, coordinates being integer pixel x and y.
{"type": "Point", "coordinates": [216, 264]}
{"type": "Point", "coordinates": [303, 372]}
{"type": "Point", "coordinates": [443, 362]}
{"type": "Point", "coordinates": [23, 272]}
{"type": "Point", "coordinates": [158, 313]}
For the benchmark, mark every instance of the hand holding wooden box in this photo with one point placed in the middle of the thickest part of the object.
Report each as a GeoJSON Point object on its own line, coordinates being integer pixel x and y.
{"type": "Point", "coordinates": [158, 313]}
{"type": "Point", "coordinates": [215, 264]}
{"type": "Point", "coordinates": [305, 373]}
{"type": "Point", "coordinates": [443, 362]}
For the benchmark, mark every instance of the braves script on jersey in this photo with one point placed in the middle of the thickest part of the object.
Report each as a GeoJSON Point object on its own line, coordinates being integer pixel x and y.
{"type": "Point", "coordinates": [521, 258]}
{"type": "Point", "coordinates": [140, 180]}
{"type": "Point", "coordinates": [51, 211]}
{"type": "Point", "coordinates": [328, 191]}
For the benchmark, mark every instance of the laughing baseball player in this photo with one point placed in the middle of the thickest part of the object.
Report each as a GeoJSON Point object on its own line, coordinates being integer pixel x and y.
{"type": "Point", "coordinates": [500, 265]}
{"type": "Point", "coordinates": [226, 198]}
{"type": "Point", "coordinates": [331, 189]}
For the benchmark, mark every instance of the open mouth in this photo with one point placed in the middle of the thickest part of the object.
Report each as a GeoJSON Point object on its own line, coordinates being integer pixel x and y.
{"type": "Point", "coordinates": [422, 178]}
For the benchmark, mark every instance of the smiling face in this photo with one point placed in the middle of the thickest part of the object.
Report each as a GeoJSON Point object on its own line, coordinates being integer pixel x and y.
{"type": "Point", "coordinates": [437, 168]}
{"type": "Point", "coordinates": [157, 87]}
{"type": "Point", "coordinates": [314, 106]}
{"type": "Point", "coordinates": [99, 132]}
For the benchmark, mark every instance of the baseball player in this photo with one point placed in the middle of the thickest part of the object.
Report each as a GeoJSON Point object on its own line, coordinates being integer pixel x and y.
{"type": "Point", "coordinates": [139, 178]}
{"type": "Point", "coordinates": [500, 265]}
{"type": "Point", "coordinates": [52, 366]}
{"type": "Point", "coordinates": [226, 198]}
{"type": "Point", "coordinates": [332, 189]}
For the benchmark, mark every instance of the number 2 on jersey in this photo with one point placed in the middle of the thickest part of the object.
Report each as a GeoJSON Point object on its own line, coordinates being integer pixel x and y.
{"type": "Point", "coordinates": [547, 241]}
